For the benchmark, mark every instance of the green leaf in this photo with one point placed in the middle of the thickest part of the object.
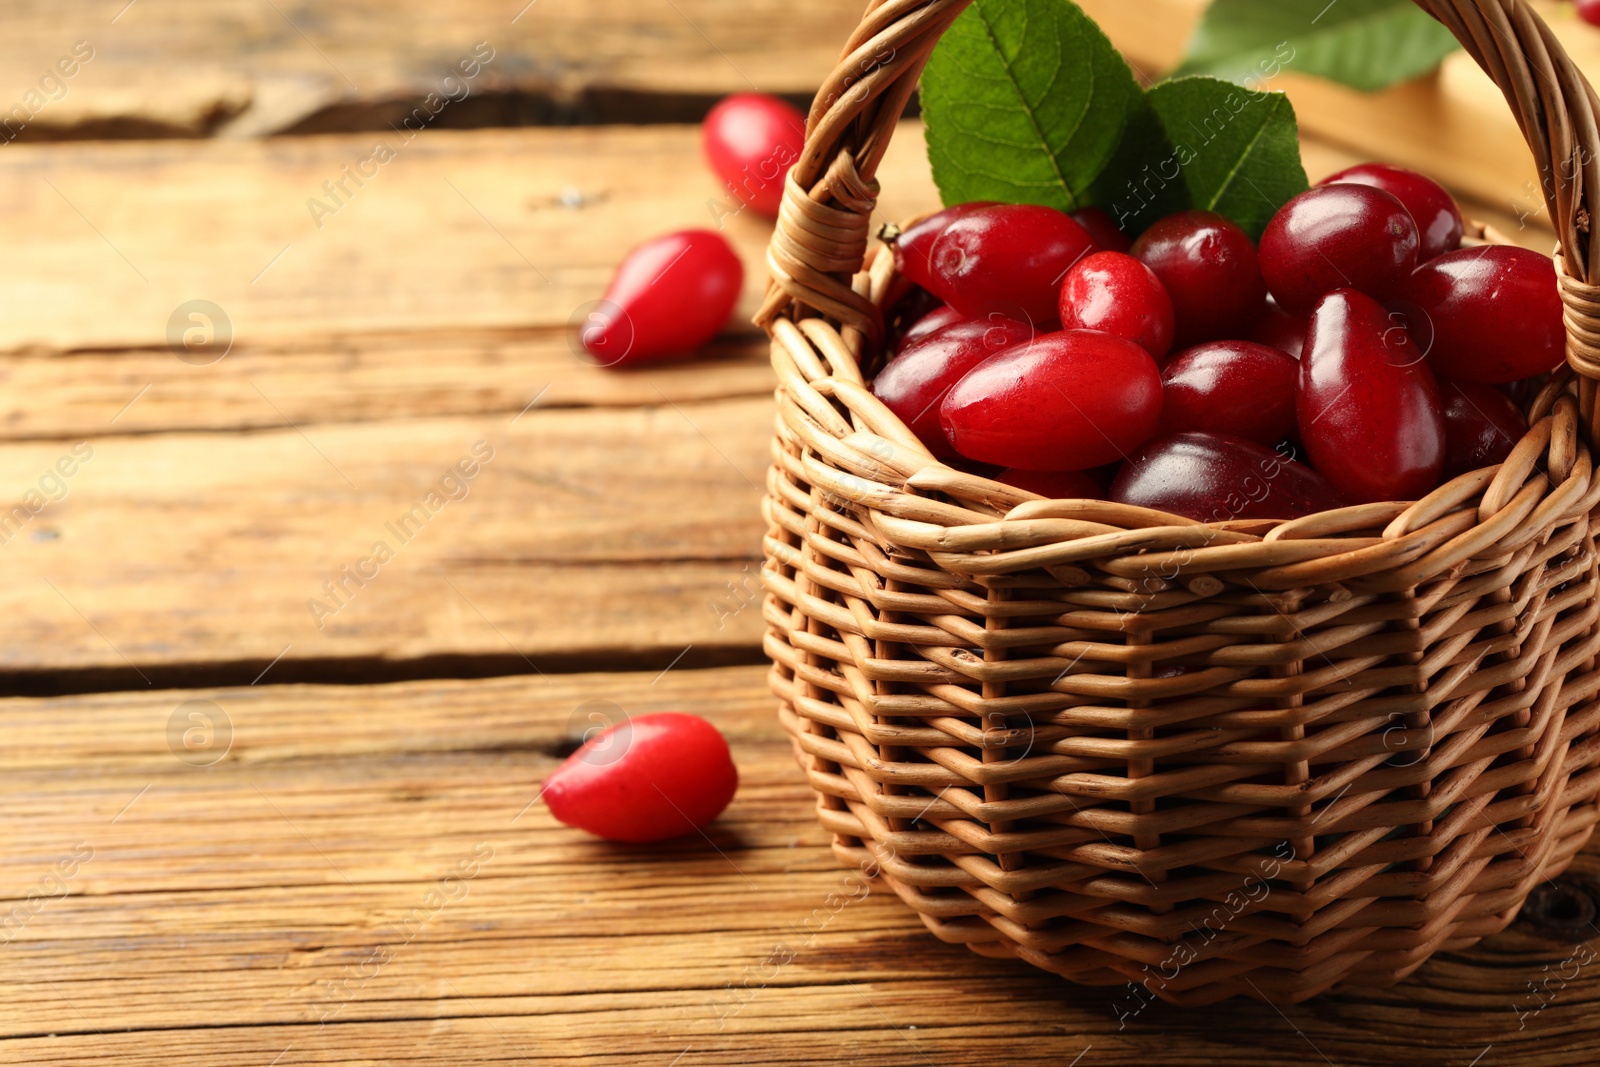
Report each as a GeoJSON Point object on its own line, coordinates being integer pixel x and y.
{"type": "Point", "coordinates": [1365, 44]}
{"type": "Point", "coordinates": [1236, 152]}
{"type": "Point", "coordinates": [1132, 189]}
{"type": "Point", "coordinates": [1025, 101]}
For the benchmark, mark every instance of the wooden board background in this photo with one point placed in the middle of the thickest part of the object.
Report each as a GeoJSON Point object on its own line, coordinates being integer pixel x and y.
{"type": "Point", "coordinates": [252, 909]}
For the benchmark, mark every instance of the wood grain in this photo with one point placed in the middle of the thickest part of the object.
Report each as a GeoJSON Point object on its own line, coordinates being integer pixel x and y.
{"type": "Point", "coordinates": [631, 532]}
{"type": "Point", "coordinates": [356, 378]}
{"type": "Point", "coordinates": [459, 231]}
{"type": "Point", "coordinates": [200, 67]}
{"type": "Point", "coordinates": [226, 910]}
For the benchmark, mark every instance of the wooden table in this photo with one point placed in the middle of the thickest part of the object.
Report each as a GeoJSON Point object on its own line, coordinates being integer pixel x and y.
{"type": "Point", "coordinates": [238, 830]}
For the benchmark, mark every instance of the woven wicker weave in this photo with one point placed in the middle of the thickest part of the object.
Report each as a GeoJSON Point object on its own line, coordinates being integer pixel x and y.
{"type": "Point", "coordinates": [1385, 729]}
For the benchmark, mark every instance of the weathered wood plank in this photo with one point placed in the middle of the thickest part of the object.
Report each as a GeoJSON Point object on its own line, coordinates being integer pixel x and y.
{"type": "Point", "coordinates": [459, 231]}
{"type": "Point", "coordinates": [359, 378]}
{"type": "Point", "coordinates": [631, 531]}
{"type": "Point", "coordinates": [219, 913]}
{"type": "Point", "coordinates": [190, 68]}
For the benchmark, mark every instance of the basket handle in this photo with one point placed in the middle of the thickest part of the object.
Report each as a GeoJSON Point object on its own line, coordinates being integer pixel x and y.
{"type": "Point", "coordinates": [823, 227]}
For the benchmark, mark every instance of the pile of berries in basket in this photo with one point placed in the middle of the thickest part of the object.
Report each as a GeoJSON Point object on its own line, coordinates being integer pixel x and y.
{"type": "Point", "coordinates": [1358, 353]}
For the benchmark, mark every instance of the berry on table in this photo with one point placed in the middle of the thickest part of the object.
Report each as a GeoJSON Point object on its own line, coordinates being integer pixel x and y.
{"type": "Point", "coordinates": [645, 779]}
{"type": "Point", "coordinates": [750, 140]}
{"type": "Point", "coordinates": [669, 296]}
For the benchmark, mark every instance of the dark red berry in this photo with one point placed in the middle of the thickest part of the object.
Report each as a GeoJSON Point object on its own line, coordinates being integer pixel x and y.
{"type": "Point", "coordinates": [913, 383]}
{"type": "Point", "coordinates": [1431, 207]}
{"type": "Point", "coordinates": [1217, 478]}
{"type": "Point", "coordinates": [645, 779]}
{"type": "Point", "coordinates": [750, 140]}
{"type": "Point", "coordinates": [1008, 258]}
{"type": "Point", "coordinates": [1117, 294]}
{"type": "Point", "coordinates": [1490, 314]}
{"type": "Point", "coordinates": [1337, 237]}
{"type": "Point", "coordinates": [1367, 405]}
{"type": "Point", "coordinates": [1238, 388]}
{"type": "Point", "coordinates": [1107, 236]}
{"type": "Point", "coordinates": [1055, 485]}
{"type": "Point", "coordinates": [935, 320]}
{"type": "Point", "coordinates": [1281, 330]}
{"type": "Point", "coordinates": [669, 296]}
{"type": "Point", "coordinates": [1589, 11]}
{"type": "Point", "coordinates": [913, 249]}
{"type": "Point", "coordinates": [1063, 401]}
{"type": "Point", "coordinates": [1208, 266]}
{"type": "Point", "coordinates": [1481, 426]}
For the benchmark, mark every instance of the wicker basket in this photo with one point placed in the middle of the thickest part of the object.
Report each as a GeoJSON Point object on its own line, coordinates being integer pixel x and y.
{"type": "Point", "coordinates": [1385, 732]}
